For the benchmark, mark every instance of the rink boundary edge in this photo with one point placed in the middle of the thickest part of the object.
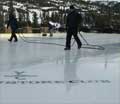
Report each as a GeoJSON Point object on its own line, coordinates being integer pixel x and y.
{"type": "Point", "coordinates": [6, 35]}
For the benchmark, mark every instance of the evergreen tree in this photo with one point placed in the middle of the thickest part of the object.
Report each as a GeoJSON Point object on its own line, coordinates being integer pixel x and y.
{"type": "Point", "coordinates": [35, 20]}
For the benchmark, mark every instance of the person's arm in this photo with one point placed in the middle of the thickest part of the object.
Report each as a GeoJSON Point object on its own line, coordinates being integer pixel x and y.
{"type": "Point", "coordinates": [16, 23]}
{"type": "Point", "coordinates": [79, 19]}
{"type": "Point", "coordinates": [67, 22]}
{"type": "Point", "coordinates": [8, 24]}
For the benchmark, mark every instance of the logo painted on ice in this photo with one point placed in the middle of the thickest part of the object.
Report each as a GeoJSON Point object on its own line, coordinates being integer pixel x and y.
{"type": "Point", "coordinates": [20, 75]}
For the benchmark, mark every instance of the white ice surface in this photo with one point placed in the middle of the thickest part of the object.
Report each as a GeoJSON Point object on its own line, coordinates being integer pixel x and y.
{"type": "Point", "coordinates": [46, 74]}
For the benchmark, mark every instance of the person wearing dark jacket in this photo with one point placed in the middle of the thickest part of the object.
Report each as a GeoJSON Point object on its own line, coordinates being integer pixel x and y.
{"type": "Point", "coordinates": [12, 22]}
{"type": "Point", "coordinates": [72, 24]}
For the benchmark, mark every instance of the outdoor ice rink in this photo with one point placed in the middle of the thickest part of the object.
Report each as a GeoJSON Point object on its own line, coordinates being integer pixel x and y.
{"type": "Point", "coordinates": [34, 73]}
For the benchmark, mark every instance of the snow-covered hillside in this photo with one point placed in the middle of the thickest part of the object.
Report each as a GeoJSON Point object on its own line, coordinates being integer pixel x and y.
{"type": "Point", "coordinates": [26, 10]}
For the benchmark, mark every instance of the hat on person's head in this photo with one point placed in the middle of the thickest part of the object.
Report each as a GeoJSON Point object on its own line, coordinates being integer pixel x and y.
{"type": "Point", "coordinates": [72, 7]}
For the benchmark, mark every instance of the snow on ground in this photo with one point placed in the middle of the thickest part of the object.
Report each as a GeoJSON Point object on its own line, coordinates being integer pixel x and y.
{"type": "Point", "coordinates": [33, 73]}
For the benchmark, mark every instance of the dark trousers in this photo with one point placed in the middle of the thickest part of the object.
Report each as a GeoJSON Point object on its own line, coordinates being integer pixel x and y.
{"type": "Point", "coordinates": [13, 35]}
{"type": "Point", "coordinates": [72, 32]}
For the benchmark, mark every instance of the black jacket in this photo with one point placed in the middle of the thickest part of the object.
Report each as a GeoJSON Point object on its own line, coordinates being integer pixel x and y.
{"type": "Point", "coordinates": [12, 23]}
{"type": "Point", "coordinates": [73, 19]}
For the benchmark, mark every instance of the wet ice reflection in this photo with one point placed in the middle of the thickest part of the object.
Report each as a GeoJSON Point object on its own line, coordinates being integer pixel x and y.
{"type": "Point", "coordinates": [60, 76]}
